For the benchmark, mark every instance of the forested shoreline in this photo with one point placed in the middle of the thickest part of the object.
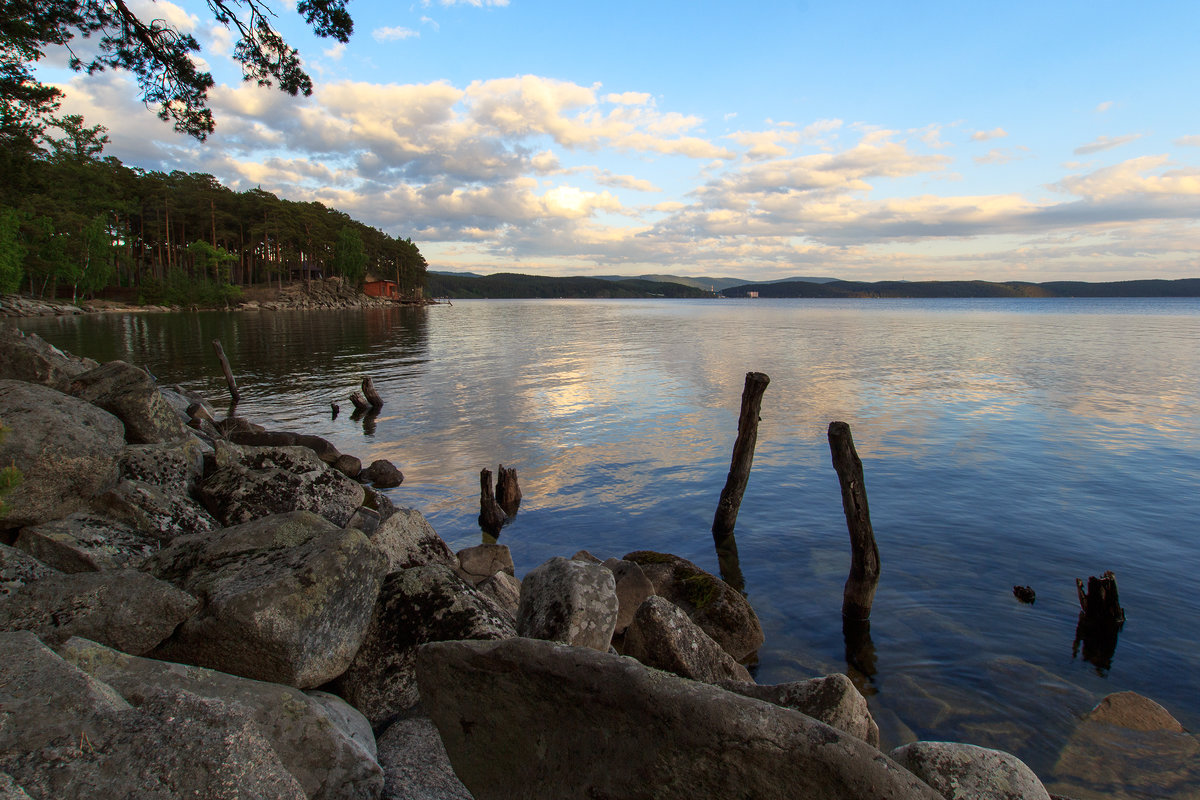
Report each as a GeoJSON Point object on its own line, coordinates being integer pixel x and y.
{"type": "Point", "coordinates": [74, 224]}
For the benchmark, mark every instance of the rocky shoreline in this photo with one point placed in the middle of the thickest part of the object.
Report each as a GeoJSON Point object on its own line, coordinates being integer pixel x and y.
{"type": "Point", "coordinates": [327, 293]}
{"type": "Point", "coordinates": [202, 608]}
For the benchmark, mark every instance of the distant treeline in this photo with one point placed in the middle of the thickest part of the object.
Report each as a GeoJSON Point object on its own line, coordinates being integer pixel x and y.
{"type": "Point", "coordinates": [510, 285]}
{"type": "Point", "coordinates": [73, 224]}
{"type": "Point", "coordinates": [1186, 287]}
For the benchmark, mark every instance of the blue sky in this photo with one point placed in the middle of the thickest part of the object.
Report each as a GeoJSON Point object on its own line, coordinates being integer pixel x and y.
{"type": "Point", "coordinates": [859, 140]}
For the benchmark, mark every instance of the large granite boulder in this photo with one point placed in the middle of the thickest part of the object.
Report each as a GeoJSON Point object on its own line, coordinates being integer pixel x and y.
{"type": "Point", "coordinates": [323, 448]}
{"type": "Point", "coordinates": [569, 601]}
{"type": "Point", "coordinates": [327, 763]}
{"type": "Point", "coordinates": [255, 482]}
{"type": "Point", "coordinates": [527, 718]}
{"type": "Point", "coordinates": [633, 587]}
{"type": "Point", "coordinates": [415, 606]}
{"type": "Point", "coordinates": [156, 511]}
{"type": "Point", "coordinates": [663, 637]}
{"type": "Point", "coordinates": [415, 764]}
{"type": "Point", "coordinates": [83, 542]}
{"type": "Point", "coordinates": [285, 599]}
{"type": "Point", "coordinates": [832, 699]}
{"type": "Point", "coordinates": [66, 449]}
{"type": "Point", "coordinates": [718, 608]}
{"type": "Point", "coordinates": [67, 734]}
{"type": "Point", "coordinates": [175, 467]}
{"type": "Point", "coordinates": [505, 589]}
{"type": "Point", "coordinates": [18, 568]}
{"type": "Point", "coordinates": [30, 358]}
{"type": "Point", "coordinates": [966, 772]}
{"type": "Point", "coordinates": [408, 540]}
{"type": "Point", "coordinates": [383, 474]}
{"type": "Point", "coordinates": [125, 609]}
{"type": "Point", "coordinates": [130, 395]}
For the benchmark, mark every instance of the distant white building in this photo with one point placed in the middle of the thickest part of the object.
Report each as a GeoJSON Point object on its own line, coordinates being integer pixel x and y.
{"type": "Point", "coordinates": [751, 294]}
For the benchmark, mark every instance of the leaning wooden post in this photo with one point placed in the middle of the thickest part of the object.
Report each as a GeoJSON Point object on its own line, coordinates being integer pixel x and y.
{"type": "Point", "coordinates": [233, 390]}
{"type": "Point", "coordinates": [859, 592]}
{"type": "Point", "coordinates": [739, 475]}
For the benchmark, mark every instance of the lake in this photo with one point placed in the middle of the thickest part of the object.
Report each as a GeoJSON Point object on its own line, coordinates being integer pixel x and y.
{"type": "Point", "coordinates": [1004, 442]}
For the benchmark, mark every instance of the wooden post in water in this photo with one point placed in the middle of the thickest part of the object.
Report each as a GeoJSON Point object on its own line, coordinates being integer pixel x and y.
{"type": "Point", "coordinates": [491, 516]}
{"type": "Point", "coordinates": [508, 491]}
{"type": "Point", "coordinates": [739, 475]}
{"type": "Point", "coordinates": [859, 592]}
{"type": "Point", "coordinates": [233, 390]}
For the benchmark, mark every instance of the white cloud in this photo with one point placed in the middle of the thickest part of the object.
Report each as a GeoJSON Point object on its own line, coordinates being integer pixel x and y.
{"type": "Point", "coordinates": [335, 52]}
{"type": "Point", "coordinates": [1001, 155]}
{"type": "Point", "coordinates": [393, 34]}
{"type": "Point", "coordinates": [983, 136]}
{"type": "Point", "coordinates": [1188, 141]}
{"type": "Point", "coordinates": [628, 98]}
{"type": "Point", "coordinates": [1105, 106]}
{"type": "Point", "coordinates": [1102, 143]}
{"type": "Point", "coordinates": [475, 3]}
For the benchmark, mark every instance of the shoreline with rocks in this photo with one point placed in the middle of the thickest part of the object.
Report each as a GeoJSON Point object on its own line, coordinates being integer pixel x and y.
{"type": "Point", "coordinates": [201, 607]}
{"type": "Point", "coordinates": [317, 294]}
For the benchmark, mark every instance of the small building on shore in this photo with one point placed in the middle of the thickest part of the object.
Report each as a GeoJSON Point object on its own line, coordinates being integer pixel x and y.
{"type": "Point", "coordinates": [379, 288]}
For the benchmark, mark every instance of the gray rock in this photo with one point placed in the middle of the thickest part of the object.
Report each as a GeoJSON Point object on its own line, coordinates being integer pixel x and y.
{"type": "Point", "coordinates": [633, 587]}
{"type": "Point", "coordinates": [184, 402]}
{"type": "Point", "coordinates": [586, 557]}
{"type": "Point", "coordinates": [255, 437]}
{"type": "Point", "coordinates": [28, 357]}
{"type": "Point", "coordinates": [85, 542]}
{"type": "Point", "coordinates": [364, 519]}
{"type": "Point", "coordinates": [286, 598]}
{"type": "Point", "coordinates": [130, 395]}
{"type": "Point", "coordinates": [832, 699]}
{"type": "Point", "coordinates": [415, 764]}
{"type": "Point", "coordinates": [18, 568]}
{"type": "Point", "coordinates": [714, 605]}
{"type": "Point", "coordinates": [125, 609]}
{"type": "Point", "coordinates": [310, 740]}
{"type": "Point", "coordinates": [962, 771]}
{"type": "Point", "coordinates": [383, 474]}
{"type": "Point", "coordinates": [663, 637]}
{"type": "Point", "coordinates": [408, 540]}
{"type": "Point", "coordinates": [255, 482]}
{"type": "Point", "coordinates": [505, 589]}
{"type": "Point", "coordinates": [154, 511]}
{"type": "Point", "coordinates": [379, 502]}
{"type": "Point", "coordinates": [67, 734]}
{"type": "Point", "coordinates": [348, 719]}
{"type": "Point", "coordinates": [527, 718]}
{"type": "Point", "coordinates": [1135, 712]}
{"type": "Point", "coordinates": [65, 448]}
{"type": "Point", "coordinates": [569, 601]}
{"type": "Point", "coordinates": [175, 467]}
{"type": "Point", "coordinates": [417, 605]}
{"type": "Point", "coordinates": [9, 790]}
{"type": "Point", "coordinates": [348, 465]}
{"type": "Point", "coordinates": [477, 564]}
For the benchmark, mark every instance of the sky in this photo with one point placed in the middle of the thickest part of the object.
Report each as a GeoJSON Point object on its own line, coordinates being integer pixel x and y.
{"type": "Point", "coordinates": [860, 140]}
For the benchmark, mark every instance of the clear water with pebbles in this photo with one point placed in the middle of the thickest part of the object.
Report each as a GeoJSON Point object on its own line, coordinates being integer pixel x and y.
{"type": "Point", "coordinates": [1004, 442]}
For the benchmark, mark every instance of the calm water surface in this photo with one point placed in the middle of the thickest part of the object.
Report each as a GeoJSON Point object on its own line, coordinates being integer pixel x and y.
{"type": "Point", "coordinates": [1004, 442]}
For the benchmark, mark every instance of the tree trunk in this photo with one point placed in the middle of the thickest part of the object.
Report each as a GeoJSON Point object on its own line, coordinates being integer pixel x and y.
{"type": "Point", "coordinates": [233, 390]}
{"type": "Point", "coordinates": [491, 516]}
{"type": "Point", "coordinates": [743, 458]}
{"type": "Point", "coordinates": [508, 491]}
{"type": "Point", "coordinates": [368, 390]}
{"type": "Point", "coordinates": [859, 591]}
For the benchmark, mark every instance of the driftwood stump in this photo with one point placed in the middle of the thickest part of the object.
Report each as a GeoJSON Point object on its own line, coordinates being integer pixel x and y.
{"type": "Point", "coordinates": [491, 515]}
{"type": "Point", "coordinates": [360, 405]}
{"type": "Point", "coordinates": [1100, 620]}
{"type": "Point", "coordinates": [508, 491]}
{"type": "Point", "coordinates": [372, 396]}
{"type": "Point", "coordinates": [740, 463]}
{"type": "Point", "coordinates": [234, 394]}
{"type": "Point", "coordinates": [859, 592]}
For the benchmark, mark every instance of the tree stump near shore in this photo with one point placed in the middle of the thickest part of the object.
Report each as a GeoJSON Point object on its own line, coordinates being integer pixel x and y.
{"type": "Point", "coordinates": [735, 482]}
{"type": "Point", "coordinates": [1100, 620]}
{"type": "Point", "coordinates": [372, 396]}
{"type": "Point", "coordinates": [491, 516]}
{"type": "Point", "coordinates": [508, 491]}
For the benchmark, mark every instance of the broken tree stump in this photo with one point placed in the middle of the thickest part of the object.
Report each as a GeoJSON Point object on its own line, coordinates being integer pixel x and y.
{"type": "Point", "coordinates": [372, 396]}
{"type": "Point", "coordinates": [233, 390]}
{"type": "Point", "coordinates": [1100, 604]}
{"type": "Point", "coordinates": [859, 592]}
{"type": "Point", "coordinates": [508, 491]}
{"type": "Point", "coordinates": [360, 405]}
{"type": "Point", "coordinates": [491, 515]}
{"type": "Point", "coordinates": [739, 467]}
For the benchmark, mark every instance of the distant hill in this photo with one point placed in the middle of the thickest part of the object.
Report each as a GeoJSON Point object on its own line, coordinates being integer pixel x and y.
{"type": "Point", "coordinates": [715, 284]}
{"type": "Point", "coordinates": [1185, 287]}
{"type": "Point", "coordinates": [511, 285]}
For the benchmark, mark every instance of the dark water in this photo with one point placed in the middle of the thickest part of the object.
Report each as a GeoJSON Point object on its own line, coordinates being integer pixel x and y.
{"type": "Point", "coordinates": [1004, 442]}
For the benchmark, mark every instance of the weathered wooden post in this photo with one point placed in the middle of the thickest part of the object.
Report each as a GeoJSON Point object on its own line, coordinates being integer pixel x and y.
{"type": "Point", "coordinates": [1100, 620]}
{"type": "Point", "coordinates": [233, 390]}
{"type": "Point", "coordinates": [491, 516]}
{"type": "Point", "coordinates": [508, 491]}
{"type": "Point", "coordinates": [361, 406]}
{"type": "Point", "coordinates": [859, 591]}
{"type": "Point", "coordinates": [739, 475]}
